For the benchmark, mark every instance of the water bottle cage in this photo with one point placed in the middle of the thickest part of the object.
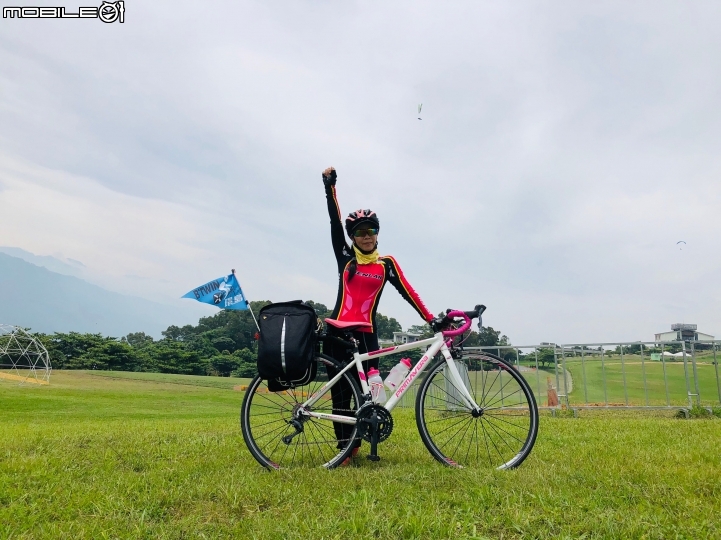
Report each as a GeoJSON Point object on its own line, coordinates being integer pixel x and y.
{"type": "Point", "coordinates": [376, 388]}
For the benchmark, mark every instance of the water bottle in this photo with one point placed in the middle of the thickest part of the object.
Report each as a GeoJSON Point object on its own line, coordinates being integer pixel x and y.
{"type": "Point", "coordinates": [378, 392]}
{"type": "Point", "coordinates": [398, 373]}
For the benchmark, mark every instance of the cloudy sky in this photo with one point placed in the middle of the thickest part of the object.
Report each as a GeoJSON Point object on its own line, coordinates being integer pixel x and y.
{"type": "Point", "coordinates": [565, 148]}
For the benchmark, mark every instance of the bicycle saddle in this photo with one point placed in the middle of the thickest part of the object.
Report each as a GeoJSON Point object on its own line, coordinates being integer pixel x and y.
{"type": "Point", "coordinates": [350, 326]}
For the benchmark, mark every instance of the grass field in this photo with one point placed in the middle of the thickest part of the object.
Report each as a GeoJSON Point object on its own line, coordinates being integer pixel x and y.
{"type": "Point", "coordinates": [157, 456]}
{"type": "Point", "coordinates": [593, 372]}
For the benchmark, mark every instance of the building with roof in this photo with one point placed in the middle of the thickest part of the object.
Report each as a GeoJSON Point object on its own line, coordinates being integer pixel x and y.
{"type": "Point", "coordinates": [400, 338]}
{"type": "Point", "coordinates": [683, 332]}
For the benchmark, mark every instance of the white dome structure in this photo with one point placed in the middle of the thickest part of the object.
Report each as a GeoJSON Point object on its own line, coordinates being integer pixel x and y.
{"type": "Point", "coordinates": [23, 358]}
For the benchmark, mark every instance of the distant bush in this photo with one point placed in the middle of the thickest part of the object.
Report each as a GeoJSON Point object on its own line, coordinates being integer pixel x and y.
{"type": "Point", "coordinates": [221, 345]}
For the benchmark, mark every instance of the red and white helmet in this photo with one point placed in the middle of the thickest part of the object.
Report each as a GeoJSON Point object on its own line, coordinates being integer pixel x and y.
{"type": "Point", "coordinates": [360, 217]}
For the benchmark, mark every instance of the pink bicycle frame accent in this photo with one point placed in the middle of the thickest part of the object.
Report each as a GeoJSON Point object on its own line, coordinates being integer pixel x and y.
{"type": "Point", "coordinates": [381, 351]}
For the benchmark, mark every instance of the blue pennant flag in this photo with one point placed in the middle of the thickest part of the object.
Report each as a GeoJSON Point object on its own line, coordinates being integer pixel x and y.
{"type": "Point", "coordinates": [224, 292]}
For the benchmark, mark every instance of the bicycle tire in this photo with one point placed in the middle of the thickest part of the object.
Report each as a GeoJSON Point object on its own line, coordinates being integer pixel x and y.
{"type": "Point", "coordinates": [264, 418]}
{"type": "Point", "coordinates": [504, 433]}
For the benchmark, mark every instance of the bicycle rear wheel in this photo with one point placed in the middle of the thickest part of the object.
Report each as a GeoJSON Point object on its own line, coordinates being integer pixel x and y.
{"type": "Point", "coordinates": [265, 420]}
{"type": "Point", "coordinates": [501, 435]}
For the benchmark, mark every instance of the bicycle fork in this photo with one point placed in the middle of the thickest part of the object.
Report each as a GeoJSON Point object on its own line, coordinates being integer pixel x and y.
{"type": "Point", "coordinates": [457, 381]}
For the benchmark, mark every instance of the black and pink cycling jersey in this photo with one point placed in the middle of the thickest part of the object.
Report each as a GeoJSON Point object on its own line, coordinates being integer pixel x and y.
{"type": "Point", "coordinates": [358, 297]}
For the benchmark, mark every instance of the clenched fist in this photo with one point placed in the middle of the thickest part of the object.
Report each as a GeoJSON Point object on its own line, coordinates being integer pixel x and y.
{"type": "Point", "coordinates": [329, 176]}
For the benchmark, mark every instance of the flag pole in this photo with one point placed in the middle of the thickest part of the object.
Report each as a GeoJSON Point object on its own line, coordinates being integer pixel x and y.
{"type": "Point", "coordinates": [247, 304]}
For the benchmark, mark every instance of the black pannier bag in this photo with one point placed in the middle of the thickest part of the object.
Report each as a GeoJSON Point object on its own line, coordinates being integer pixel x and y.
{"type": "Point", "coordinates": [287, 344]}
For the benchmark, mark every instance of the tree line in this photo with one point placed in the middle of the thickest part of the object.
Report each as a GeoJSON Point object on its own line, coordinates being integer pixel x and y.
{"type": "Point", "coordinates": [223, 345]}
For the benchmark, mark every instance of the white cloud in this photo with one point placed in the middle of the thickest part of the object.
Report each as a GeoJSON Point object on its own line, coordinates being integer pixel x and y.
{"type": "Point", "coordinates": [112, 234]}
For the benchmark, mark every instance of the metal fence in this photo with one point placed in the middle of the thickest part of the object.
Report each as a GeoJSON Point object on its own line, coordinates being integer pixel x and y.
{"type": "Point", "coordinates": [649, 375]}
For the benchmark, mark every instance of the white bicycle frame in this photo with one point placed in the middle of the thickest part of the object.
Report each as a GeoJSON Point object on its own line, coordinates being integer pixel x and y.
{"type": "Point", "coordinates": [437, 343]}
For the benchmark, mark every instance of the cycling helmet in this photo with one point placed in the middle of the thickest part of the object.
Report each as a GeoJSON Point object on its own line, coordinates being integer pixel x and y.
{"type": "Point", "coordinates": [361, 217]}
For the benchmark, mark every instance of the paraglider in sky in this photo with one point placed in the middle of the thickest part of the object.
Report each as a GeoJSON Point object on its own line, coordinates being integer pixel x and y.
{"type": "Point", "coordinates": [420, 106]}
{"type": "Point", "coordinates": [680, 242]}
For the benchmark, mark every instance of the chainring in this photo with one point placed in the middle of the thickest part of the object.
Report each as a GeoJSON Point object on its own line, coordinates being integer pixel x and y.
{"type": "Point", "coordinates": [385, 426]}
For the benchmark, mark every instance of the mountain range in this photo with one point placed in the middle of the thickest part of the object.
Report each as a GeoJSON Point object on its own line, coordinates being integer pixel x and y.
{"type": "Point", "coordinates": [33, 296]}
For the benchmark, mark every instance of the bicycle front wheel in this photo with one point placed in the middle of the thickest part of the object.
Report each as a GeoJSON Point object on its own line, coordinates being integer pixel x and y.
{"type": "Point", "coordinates": [278, 437]}
{"type": "Point", "coordinates": [500, 435]}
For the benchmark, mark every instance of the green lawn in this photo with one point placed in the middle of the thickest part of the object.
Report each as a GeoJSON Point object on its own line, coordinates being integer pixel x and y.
{"type": "Point", "coordinates": [193, 380]}
{"type": "Point", "coordinates": [157, 456]}
{"type": "Point", "coordinates": [593, 372]}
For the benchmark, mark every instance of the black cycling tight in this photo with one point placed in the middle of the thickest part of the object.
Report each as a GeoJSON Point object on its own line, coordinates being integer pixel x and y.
{"type": "Point", "coordinates": [340, 392]}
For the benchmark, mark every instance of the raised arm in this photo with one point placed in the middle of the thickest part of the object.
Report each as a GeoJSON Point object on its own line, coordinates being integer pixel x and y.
{"type": "Point", "coordinates": [340, 247]}
{"type": "Point", "coordinates": [399, 281]}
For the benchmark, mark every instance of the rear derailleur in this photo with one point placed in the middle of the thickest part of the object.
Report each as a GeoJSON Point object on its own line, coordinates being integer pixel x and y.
{"type": "Point", "coordinates": [297, 420]}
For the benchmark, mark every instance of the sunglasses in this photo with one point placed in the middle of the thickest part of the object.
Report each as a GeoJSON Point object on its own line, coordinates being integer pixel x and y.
{"type": "Point", "coordinates": [365, 232]}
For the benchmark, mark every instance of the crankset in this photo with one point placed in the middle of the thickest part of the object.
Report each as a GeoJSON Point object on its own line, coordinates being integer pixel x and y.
{"type": "Point", "coordinates": [371, 415]}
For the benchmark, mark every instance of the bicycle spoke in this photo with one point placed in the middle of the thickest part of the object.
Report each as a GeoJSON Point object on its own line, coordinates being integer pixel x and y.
{"type": "Point", "coordinates": [498, 372]}
{"type": "Point", "coordinates": [280, 440]}
{"type": "Point", "coordinates": [460, 439]}
{"type": "Point", "coordinates": [498, 417]}
{"type": "Point", "coordinates": [457, 403]}
{"type": "Point", "coordinates": [501, 409]}
{"type": "Point", "coordinates": [449, 440]}
{"type": "Point", "coordinates": [310, 427]}
{"type": "Point", "coordinates": [494, 446]}
{"type": "Point", "coordinates": [507, 422]}
{"type": "Point", "coordinates": [295, 452]}
{"type": "Point", "coordinates": [313, 442]}
{"type": "Point", "coordinates": [476, 428]}
{"type": "Point", "coordinates": [446, 418]}
{"type": "Point", "coordinates": [496, 428]}
{"type": "Point", "coordinates": [470, 441]}
{"type": "Point", "coordinates": [485, 440]}
{"type": "Point", "coordinates": [256, 426]}
{"type": "Point", "coordinates": [283, 425]}
{"type": "Point", "coordinates": [324, 431]}
{"type": "Point", "coordinates": [501, 390]}
{"type": "Point", "coordinates": [453, 425]}
{"type": "Point", "coordinates": [265, 414]}
{"type": "Point", "coordinates": [275, 404]}
{"type": "Point", "coordinates": [459, 393]}
{"type": "Point", "coordinates": [506, 397]}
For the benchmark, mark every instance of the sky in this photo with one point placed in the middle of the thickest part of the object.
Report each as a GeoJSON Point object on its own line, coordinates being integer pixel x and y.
{"type": "Point", "coordinates": [564, 149]}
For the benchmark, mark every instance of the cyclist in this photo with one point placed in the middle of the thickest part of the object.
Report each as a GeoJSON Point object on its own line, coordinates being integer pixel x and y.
{"type": "Point", "coordinates": [362, 274]}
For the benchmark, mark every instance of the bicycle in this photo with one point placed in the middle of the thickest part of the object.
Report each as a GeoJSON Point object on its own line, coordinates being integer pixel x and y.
{"type": "Point", "coordinates": [470, 409]}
